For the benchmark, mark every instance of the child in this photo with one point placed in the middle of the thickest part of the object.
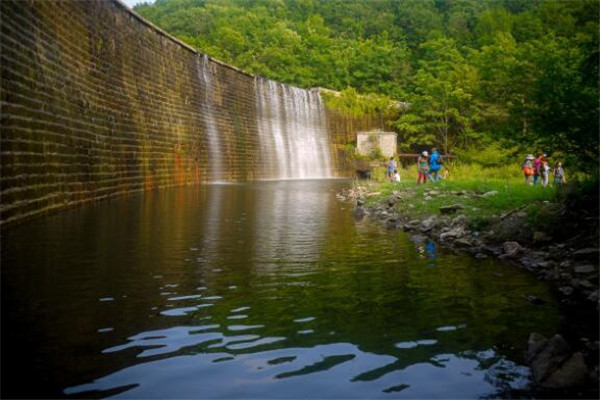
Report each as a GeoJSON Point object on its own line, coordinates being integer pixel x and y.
{"type": "Point", "coordinates": [397, 176]}
{"type": "Point", "coordinates": [422, 167]}
{"type": "Point", "coordinates": [446, 173]}
{"type": "Point", "coordinates": [391, 168]}
{"type": "Point", "coordinates": [559, 175]}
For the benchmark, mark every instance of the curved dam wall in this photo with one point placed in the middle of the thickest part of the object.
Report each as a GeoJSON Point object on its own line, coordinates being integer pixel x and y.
{"type": "Point", "coordinates": [96, 102]}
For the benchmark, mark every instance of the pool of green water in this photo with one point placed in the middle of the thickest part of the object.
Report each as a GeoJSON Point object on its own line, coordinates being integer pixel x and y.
{"type": "Point", "coordinates": [262, 290]}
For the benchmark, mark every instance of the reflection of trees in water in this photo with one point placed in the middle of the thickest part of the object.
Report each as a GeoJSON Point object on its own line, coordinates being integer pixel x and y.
{"type": "Point", "coordinates": [277, 271]}
{"type": "Point", "coordinates": [291, 218]}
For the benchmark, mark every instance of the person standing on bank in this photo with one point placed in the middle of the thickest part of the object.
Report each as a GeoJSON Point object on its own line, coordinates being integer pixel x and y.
{"type": "Point", "coordinates": [391, 168]}
{"type": "Point", "coordinates": [537, 164]}
{"type": "Point", "coordinates": [435, 164]}
{"type": "Point", "coordinates": [545, 171]}
{"type": "Point", "coordinates": [422, 167]}
{"type": "Point", "coordinates": [527, 167]}
{"type": "Point", "coordinates": [559, 175]}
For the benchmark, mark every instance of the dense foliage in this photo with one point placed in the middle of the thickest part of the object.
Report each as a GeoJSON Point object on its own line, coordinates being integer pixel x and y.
{"type": "Point", "coordinates": [518, 73]}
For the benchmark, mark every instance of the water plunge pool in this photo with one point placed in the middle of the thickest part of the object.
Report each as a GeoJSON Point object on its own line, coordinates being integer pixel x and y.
{"type": "Point", "coordinates": [262, 290]}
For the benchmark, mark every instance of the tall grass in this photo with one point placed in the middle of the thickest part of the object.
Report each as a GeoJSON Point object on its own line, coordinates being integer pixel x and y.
{"type": "Point", "coordinates": [507, 181]}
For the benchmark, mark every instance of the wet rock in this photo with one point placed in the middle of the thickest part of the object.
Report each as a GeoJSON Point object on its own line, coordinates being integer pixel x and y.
{"type": "Point", "coordinates": [453, 233]}
{"type": "Point", "coordinates": [391, 223]}
{"type": "Point", "coordinates": [418, 239]}
{"type": "Point", "coordinates": [480, 256]}
{"type": "Point", "coordinates": [552, 364]}
{"type": "Point", "coordinates": [566, 290]}
{"type": "Point", "coordinates": [452, 209]}
{"type": "Point", "coordinates": [463, 242]}
{"type": "Point", "coordinates": [542, 264]}
{"type": "Point", "coordinates": [427, 224]}
{"type": "Point", "coordinates": [535, 344]}
{"type": "Point", "coordinates": [589, 253]}
{"type": "Point", "coordinates": [512, 249]}
{"type": "Point", "coordinates": [359, 213]}
{"type": "Point", "coordinates": [584, 269]}
{"type": "Point", "coordinates": [492, 250]}
{"type": "Point", "coordinates": [565, 264]}
{"type": "Point", "coordinates": [360, 202]}
{"type": "Point", "coordinates": [391, 201]}
{"type": "Point", "coordinates": [459, 220]}
{"type": "Point", "coordinates": [584, 283]}
{"type": "Point", "coordinates": [573, 372]}
{"type": "Point", "coordinates": [594, 297]}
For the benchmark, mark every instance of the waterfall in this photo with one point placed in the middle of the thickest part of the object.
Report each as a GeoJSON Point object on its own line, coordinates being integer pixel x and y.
{"type": "Point", "coordinates": [214, 141]}
{"type": "Point", "coordinates": [292, 131]}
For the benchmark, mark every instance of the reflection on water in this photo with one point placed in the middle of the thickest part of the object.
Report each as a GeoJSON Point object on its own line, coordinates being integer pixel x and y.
{"type": "Point", "coordinates": [266, 290]}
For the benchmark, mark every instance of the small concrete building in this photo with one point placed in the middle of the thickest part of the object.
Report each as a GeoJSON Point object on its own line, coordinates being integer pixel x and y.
{"type": "Point", "coordinates": [366, 142]}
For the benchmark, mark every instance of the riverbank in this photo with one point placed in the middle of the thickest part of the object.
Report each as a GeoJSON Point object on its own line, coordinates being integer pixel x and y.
{"type": "Point", "coordinates": [551, 232]}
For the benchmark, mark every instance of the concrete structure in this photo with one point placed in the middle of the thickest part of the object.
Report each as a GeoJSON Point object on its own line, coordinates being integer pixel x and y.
{"type": "Point", "coordinates": [367, 142]}
{"type": "Point", "coordinates": [98, 103]}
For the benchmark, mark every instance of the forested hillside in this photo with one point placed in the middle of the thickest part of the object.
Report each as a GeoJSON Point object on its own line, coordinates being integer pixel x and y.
{"type": "Point", "coordinates": [515, 75]}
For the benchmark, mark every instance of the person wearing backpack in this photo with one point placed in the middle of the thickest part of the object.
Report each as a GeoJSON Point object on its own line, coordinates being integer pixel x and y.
{"type": "Point", "coordinates": [527, 167]}
{"type": "Point", "coordinates": [435, 164]}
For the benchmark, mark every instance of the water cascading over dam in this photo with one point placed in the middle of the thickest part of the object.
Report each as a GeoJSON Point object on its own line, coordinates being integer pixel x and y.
{"type": "Point", "coordinates": [212, 132]}
{"type": "Point", "coordinates": [99, 103]}
{"type": "Point", "coordinates": [292, 131]}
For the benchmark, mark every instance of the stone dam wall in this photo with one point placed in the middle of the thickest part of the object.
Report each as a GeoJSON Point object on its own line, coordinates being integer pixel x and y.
{"type": "Point", "coordinates": [96, 103]}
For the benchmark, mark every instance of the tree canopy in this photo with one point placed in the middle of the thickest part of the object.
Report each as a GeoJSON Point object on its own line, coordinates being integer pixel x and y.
{"type": "Point", "coordinates": [476, 72]}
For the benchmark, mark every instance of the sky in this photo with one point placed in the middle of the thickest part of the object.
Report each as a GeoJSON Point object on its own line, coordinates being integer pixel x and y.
{"type": "Point", "coordinates": [132, 3]}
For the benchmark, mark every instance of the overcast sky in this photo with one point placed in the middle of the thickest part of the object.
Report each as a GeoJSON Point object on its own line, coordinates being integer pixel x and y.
{"type": "Point", "coordinates": [132, 3]}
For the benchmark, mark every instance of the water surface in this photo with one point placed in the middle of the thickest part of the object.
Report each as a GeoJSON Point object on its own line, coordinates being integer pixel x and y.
{"type": "Point", "coordinates": [266, 290]}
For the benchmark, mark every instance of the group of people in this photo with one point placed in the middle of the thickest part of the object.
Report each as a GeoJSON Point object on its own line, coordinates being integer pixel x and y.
{"type": "Point", "coordinates": [428, 167]}
{"type": "Point", "coordinates": [538, 169]}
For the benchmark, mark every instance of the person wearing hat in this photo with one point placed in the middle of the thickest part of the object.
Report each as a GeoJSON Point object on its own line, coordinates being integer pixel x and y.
{"type": "Point", "coordinates": [527, 167]}
{"type": "Point", "coordinates": [422, 167]}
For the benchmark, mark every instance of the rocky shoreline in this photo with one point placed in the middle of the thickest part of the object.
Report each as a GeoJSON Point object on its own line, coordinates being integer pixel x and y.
{"type": "Point", "coordinates": [560, 366]}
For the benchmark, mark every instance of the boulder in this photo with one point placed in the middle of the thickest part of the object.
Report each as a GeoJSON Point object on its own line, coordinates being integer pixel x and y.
{"type": "Point", "coordinates": [573, 372]}
{"type": "Point", "coordinates": [452, 209]}
{"type": "Point", "coordinates": [359, 213]}
{"type": "Point", "coordinates": [584, 269]}
{"type": "Point", "coordinates": [455, 232]}
{"type": "Point", "coordinates": [463, 242]}
{"type": "Point", "coordinates": [589, 253]}
{"type": "Point", "coordinates": [459, 220]}
{"type": "Point", "coordinates": [427, 224]}
{"type": "Point", "coordinates": [553, 366]}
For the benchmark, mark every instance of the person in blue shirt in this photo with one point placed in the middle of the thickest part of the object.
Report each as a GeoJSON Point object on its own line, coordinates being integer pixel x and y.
{"type": "Point", "coordinates": [435, 165]}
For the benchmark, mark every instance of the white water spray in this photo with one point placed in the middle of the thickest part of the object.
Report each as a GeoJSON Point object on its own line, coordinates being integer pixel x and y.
{"type": "Point", "coordinates": [292, 131]}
